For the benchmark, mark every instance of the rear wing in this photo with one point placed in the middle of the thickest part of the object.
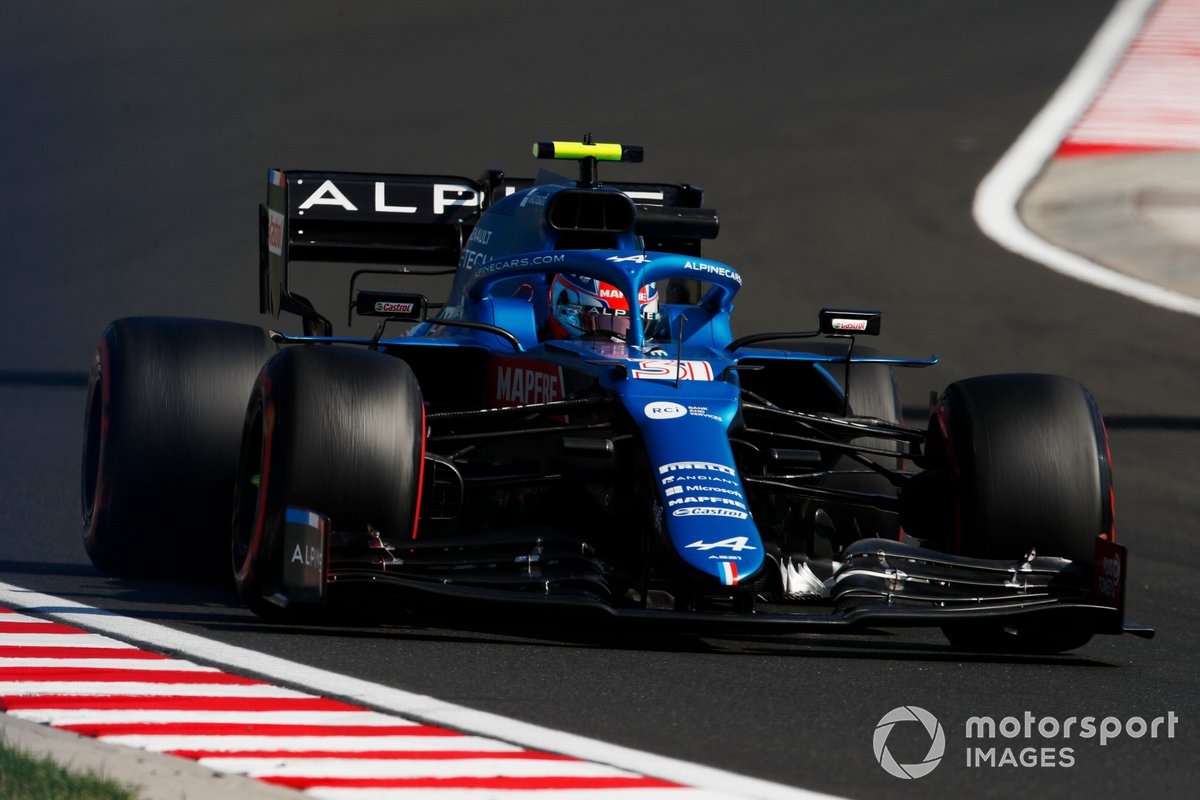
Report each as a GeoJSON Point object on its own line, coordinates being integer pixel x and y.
{"type": "Point", "coordinates": [410, 220]}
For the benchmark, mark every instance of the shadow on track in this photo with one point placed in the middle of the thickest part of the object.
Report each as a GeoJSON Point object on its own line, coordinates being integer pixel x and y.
{"type": "Point", "coordinates": [916, 416]}
{"type": "Point", "coordinates": [1151, 422]}
{"type": "Point", "coordinates": [43, 378]}
{"type": "Point", "coordinates": [214, 606]}
{"type": "Point", "coordinates": [866, 645]}
{"type": "Point", "coordinates": [45, 568]}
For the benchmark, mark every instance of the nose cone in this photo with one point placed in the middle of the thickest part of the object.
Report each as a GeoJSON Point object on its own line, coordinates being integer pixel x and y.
{"type": "Point", "coordinates": [705, 509]}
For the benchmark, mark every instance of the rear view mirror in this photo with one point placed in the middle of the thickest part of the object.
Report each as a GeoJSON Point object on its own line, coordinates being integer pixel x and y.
{"type": "Point", "coordinates": [845, 322]}
{"type": "Point", "coordinates": [393, 305]}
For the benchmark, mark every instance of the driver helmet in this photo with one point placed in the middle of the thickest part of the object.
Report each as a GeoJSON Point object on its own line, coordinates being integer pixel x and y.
{"type": "Point", "coordinates": [582, 307]}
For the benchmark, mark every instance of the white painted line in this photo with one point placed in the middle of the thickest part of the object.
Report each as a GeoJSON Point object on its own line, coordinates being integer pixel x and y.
{"type": "Point", "coordinates": [997, 197]}
{"type": "Point", "coordinates": [23, 619]}
{"type": "Point", "coordinates": [60, 717]}
{"type": "Point", "coordinates": [146, 664]}
{"type": "Point", "coordinates": [160, 743]}
{"type": "Point", "coordinates": [59, 640]}
{"type": "Point", "coordinates": [641, 793]}
{"type": "Point", "coordinates": [422, 707]}
{"type": "Point", "coordinates": [139, 689]}
{"type": "Point", "coordinates": [404, 768]}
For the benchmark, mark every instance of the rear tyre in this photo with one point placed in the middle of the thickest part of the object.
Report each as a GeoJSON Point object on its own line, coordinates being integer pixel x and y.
{"type": "Point", "coordinates": [162, 428]}
{"type": "Point", "coordinates": [1026, 457]}
{"type": "Point", "coordinates": [335, 431]}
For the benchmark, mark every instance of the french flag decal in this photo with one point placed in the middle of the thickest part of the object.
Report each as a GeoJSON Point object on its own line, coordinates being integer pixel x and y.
{"type": "Point", "coordinates": [729, 576]}
{"type": "Point", "coordinates": [275, 177]}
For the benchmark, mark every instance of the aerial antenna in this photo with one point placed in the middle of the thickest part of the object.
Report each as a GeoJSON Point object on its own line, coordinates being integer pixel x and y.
{"type": "Point", "coordinates": [679, 352]}
{"type": "Point", "coordinates": [588, 175]}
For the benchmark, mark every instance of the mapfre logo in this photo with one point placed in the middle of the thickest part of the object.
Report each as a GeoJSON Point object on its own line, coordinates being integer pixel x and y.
{"type": "Point", "coordinates": [932, 728]}
{"type": "Point", "coordinates": [516, 382]}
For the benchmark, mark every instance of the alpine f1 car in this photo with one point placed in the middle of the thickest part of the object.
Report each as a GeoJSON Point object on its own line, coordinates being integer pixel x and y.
{"type": "Point", "coordinates": [576, 427]}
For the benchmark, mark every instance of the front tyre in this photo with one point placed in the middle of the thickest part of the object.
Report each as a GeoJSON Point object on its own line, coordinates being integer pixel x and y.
{"type": "Point", "coordinates": [1027, 462]}
{"type": "Point", "coordinates": [1027, 457]}
{"type": "Point", "coordinates": [332, 430]}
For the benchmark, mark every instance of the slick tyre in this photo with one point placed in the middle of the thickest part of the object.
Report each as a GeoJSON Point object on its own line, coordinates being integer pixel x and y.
{"type": "Point", "coordinates": [1027, 457]}
{"type": "Point", "coordinates": [336, 431]}
{"type": "Point", "coordinates": [162, 430]}
{"type": "Point", "coordinates": [1028, 465]}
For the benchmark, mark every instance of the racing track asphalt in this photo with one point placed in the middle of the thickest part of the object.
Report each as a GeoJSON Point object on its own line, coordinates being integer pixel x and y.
{"type": "Point", "coordinates": [842, 143]}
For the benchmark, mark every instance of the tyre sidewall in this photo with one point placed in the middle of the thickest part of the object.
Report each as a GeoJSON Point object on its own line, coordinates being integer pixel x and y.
{"type": "Point", "coordinates": [342, 434]}
{"type": "Point", "coordinates": [168, 396]}
{"type": "Point", "coordinates": [1030, 463]}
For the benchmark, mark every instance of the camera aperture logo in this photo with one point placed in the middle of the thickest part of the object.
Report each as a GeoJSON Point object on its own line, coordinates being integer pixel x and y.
{"type": "Point", "coordinates": [1024, 741]}
{"type": "Point", "coordinates": [937, 742]}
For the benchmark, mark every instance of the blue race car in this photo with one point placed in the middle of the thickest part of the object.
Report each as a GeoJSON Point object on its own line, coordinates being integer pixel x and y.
{"type": "Point", "coordinates": [576, 427]}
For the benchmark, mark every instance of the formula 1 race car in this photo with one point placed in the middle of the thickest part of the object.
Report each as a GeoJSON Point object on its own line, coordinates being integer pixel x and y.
{"type": "Point", "coordinates": [576, 427]}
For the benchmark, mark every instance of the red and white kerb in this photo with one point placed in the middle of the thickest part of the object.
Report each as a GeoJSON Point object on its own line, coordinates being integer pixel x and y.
{"type": "Point", "coordinates": [59, 675]}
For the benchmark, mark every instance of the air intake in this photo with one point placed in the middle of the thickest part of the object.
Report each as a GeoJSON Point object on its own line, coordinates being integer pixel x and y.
{"type": "Point", "coordinates": [589, 211]}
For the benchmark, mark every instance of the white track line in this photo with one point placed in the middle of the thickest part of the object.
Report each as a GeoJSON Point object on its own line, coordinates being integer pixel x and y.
{"type": "Point", "coordinates": [642, 793]}
{"type": "Point", "coordinates": [145, 664]}
{"type": "Point", "coordinates": [59, 640]}
{"type": "Point", "coordinates": [139, 689]}
{"type": "Point", "coordinates": [997, 197]}
{"type": "Point", "coordinates": [421, 707]}
{"type": "Point", "coordinates": [406, 768]}
{"type": "Point", "coordinates": [99, 716]}
{"type": "Point", "coordinates": [228, 743]}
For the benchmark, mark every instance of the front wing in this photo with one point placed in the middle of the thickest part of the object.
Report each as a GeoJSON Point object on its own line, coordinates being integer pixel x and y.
{"type": "Point", "coordinates": [881, 583]}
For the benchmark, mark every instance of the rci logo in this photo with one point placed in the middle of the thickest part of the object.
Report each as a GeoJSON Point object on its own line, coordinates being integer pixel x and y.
{"type": "Point", "coordinates": [937, 742]}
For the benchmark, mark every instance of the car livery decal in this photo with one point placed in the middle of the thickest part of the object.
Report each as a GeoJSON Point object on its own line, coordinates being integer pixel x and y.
{"type": "Point", "coordinates": [521, 381]}
{"type": "Point", "coordinates": [665, 369]}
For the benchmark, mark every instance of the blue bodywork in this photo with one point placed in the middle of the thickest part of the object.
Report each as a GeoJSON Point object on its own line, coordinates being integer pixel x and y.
{"type": "Point", "coordinates": [672, 374]}
{"type": "Point", "coordinates": [553, 447]}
